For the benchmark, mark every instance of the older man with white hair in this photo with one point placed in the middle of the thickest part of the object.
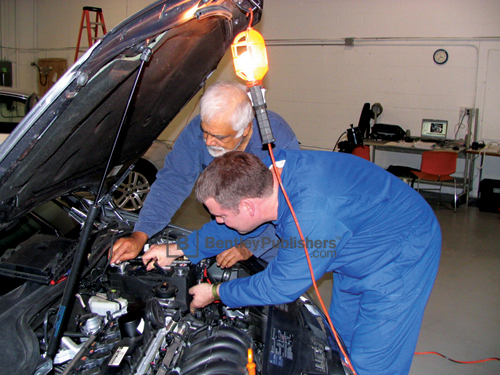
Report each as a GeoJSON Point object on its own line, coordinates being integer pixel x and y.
{"type": "Point", "coordinates": [226, 123]}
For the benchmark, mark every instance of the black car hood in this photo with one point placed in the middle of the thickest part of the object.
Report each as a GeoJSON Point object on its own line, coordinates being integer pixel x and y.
{"type": "Point", "coordinates": [64, 143]}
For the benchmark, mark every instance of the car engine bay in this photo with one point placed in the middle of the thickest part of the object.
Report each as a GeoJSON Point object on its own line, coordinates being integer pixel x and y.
{"type": "Point", "coordinates": [126, 320]}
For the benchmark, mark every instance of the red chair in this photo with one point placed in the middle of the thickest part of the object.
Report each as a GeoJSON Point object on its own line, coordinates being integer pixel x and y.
{"type": "Point", "coordinates": [362, 152]}
{"type": "Point", "coordinates": [437, 166]}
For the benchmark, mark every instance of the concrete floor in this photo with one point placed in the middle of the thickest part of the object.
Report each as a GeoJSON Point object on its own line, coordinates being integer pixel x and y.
{"type": "Point", "coordinates": [462, 319]}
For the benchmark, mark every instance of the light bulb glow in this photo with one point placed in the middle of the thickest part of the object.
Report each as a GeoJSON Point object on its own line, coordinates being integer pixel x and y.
{"type": "Point", "coordinates": [250, 56]}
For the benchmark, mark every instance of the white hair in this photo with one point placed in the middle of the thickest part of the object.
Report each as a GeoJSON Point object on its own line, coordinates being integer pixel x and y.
{"type": "Point", "coordinates": [227, 99]}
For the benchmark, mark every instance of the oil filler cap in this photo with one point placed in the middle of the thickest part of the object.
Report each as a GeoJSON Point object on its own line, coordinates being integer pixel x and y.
{"type": "Point", "coordinates": [165, 290]}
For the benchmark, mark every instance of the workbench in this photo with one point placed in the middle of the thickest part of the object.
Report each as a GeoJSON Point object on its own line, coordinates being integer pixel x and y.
{"type": "Point", "coordinates": [464, 182]}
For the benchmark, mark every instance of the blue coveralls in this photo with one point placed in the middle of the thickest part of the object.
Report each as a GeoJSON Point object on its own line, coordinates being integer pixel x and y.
{"type": "Point", "coordinates": [376, 234]}
{"type": "Point", "coordinates": [187, 160]}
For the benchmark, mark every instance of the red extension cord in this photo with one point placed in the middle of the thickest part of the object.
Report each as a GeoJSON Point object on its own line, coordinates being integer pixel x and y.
{"type": "Point", "coordinates": [325, 311]}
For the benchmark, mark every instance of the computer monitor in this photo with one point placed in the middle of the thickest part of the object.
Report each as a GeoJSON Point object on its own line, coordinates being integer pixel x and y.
{"type": "Point", "coordinates": [434, 130]}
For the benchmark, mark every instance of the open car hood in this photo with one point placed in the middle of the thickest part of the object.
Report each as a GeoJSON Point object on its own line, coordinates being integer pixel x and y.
{"type": "Point", "coordinates": [64, 143]}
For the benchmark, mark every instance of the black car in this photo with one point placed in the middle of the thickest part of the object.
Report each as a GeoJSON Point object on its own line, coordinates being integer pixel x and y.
{"type": "Point", "coordinates": [14, 106]}
{"type": "Point", "coordinates": [132, 192]}
{"type": "Point", "coordinates": [65, 308]}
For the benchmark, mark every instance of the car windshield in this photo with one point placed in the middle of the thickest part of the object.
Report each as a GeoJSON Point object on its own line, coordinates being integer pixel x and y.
{"type": "Point", "coordinates": [12, 111]}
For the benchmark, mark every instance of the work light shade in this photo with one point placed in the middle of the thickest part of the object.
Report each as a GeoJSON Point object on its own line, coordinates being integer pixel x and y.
{"type": "Point", "coordinates": [250, 56]}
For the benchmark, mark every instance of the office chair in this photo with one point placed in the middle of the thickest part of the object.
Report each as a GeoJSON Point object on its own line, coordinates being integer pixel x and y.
{"type": "Point", "coordinates": [437, 166]}
{"type": "Point", "coordinates": [362, 151]}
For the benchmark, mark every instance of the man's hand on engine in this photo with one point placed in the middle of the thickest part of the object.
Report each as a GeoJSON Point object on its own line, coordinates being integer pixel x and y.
{"type": "Point", "coordinates": [164, 255]}
{"type": "Point", "coordinates": [127, 248]}
{"type": "Point", "coordinates": [228, 258]}
{"type": "Point", "coordinates": [203, 295]}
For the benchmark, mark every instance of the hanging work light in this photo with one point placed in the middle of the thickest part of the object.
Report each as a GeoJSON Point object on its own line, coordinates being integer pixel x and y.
{"type": "Point", "coordinates": [250, 56]}
{"type": "Point", "coordinates": [250, 63]}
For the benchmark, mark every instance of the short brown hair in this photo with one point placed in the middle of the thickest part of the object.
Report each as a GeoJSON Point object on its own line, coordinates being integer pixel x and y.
{"type": "Point", "coordinates": [232, 177]}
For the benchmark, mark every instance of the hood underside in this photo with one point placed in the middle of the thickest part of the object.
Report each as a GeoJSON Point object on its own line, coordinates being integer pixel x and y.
{"type": "Point", "coordinates": [64, 143]}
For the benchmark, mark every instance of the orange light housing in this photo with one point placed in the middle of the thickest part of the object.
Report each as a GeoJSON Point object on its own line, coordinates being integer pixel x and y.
{"type": "Point", "coordinates": [250, 56]}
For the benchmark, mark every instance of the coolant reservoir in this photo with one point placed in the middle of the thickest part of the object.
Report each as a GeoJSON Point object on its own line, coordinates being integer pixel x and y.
{"type": "Point", "coordinates": [100, 304]}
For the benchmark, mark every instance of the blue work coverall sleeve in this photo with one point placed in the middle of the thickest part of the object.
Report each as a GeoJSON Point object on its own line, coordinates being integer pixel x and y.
{"type": "Point", "coordinates": [288, 275]}
{"type": "Point", "coordinates": [212, 239]}
{"type": "Point", "coordinates": [173, 185]}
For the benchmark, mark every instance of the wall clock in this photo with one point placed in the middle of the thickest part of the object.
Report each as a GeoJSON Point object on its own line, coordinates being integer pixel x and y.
{"type": "Point", "coordinates": [440, 56]}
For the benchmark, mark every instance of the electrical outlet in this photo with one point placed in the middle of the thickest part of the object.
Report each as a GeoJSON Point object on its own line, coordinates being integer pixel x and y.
{"type": "Point", "coordinates": [462, 113]}
{"type": "Point", "coordinates": [44, 70]}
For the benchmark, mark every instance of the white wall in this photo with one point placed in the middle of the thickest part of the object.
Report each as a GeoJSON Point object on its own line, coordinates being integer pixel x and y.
{"type": "Point", "coordinates": [33, 29]}
{"type": "Point", "coordinates": [320, 89]}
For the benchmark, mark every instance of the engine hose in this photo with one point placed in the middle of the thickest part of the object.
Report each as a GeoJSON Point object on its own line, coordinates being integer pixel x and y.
{"type": "Point", "coordinates": [203, 359]}
{"type": "Point", "coordinates": [223, 349]}
{"type": "Point", "coordinates": [231, 332]}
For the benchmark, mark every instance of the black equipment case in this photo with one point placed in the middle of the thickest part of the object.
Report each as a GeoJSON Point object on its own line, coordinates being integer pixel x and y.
{"type": "Point", "coordinates": [388, 132]}
{"type": "Point", "coordinates": [489, 195]}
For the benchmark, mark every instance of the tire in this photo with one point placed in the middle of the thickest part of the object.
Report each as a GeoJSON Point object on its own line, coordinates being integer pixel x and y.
{"type": "Point", "coordinates": [130, 195]}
